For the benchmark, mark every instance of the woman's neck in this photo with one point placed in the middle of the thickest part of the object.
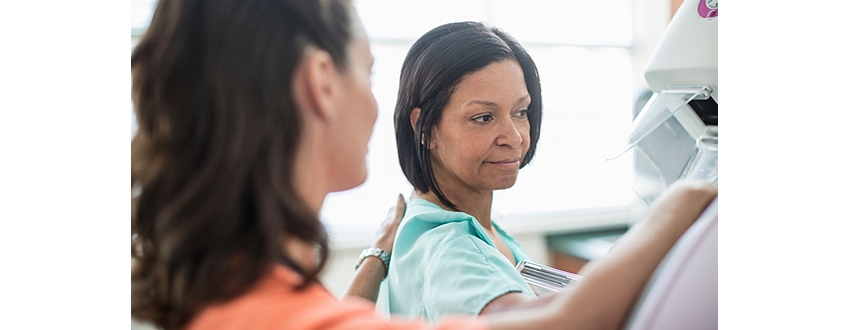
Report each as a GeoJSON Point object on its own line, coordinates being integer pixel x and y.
{"type": "Point", "coordinates": [302, 253]}
{"type": "Point", "coordinates": [476, 204]}
{"type": "Point", "coordinates": [310, 171]}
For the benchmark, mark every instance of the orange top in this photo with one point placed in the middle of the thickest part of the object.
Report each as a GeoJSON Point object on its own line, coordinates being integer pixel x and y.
{"type": "Point", "coordinates": [275, 304]}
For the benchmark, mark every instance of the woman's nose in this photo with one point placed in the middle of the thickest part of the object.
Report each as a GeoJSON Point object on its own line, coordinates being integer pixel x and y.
{"type": "Point", "coordinates": [509, 134]}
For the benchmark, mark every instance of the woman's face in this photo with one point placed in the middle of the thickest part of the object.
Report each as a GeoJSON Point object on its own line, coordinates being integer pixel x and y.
{"type": "Point", "coordinates": [355, 119]}
{"type": "Point", "coordinates": [483, 133]}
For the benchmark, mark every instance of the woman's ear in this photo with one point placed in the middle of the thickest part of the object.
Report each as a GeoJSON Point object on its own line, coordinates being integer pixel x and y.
{"type": "Point", "coordinates": [414, 117]}
{"type": "Point", "coordinates": [313, 86]}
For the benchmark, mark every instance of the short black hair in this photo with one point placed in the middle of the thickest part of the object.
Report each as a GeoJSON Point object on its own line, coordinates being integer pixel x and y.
{"type": "Point", "coordinates": [432, 69]}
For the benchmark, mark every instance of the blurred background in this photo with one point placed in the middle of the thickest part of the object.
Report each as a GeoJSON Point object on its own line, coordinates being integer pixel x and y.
{"type": "Point", "coordinates": [568, 205]}
{"type": "Point", "coordinates": [64, 90]}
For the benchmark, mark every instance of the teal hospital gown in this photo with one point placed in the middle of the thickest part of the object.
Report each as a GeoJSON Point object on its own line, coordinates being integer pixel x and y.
{"type": "Point", "coordinates": [444, 263]}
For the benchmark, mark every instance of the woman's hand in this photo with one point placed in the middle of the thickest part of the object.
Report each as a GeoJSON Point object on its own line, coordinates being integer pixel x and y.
{"type": "Point", "coordinates": [368, 276]}
{"type": "Point", "coordinates": [385, 236]}
{"type": "Point", "coordinates": [680, 206]}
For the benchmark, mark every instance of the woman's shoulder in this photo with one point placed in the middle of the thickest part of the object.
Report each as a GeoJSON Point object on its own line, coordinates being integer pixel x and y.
{"type": "Point", "coordinates": [425, 223]}
{"type": "Point", "coordinates": [275, 303]}
{"type": "Point", "coordinates": [421, 210]}
{"type": "Point", "coordinates": [424, 220]}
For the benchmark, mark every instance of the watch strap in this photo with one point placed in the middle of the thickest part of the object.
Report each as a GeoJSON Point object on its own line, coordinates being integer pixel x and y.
{"type": "Point", "coordinates": [375, 252]}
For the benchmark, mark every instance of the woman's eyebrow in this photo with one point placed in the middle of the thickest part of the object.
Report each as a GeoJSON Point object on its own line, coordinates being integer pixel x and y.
{"type": "Point", "coordinates": [494, 104]}
{"type": "Point", "coordinates": [484, 103]}
{"type": "Point", "coordinates": [521, 99]}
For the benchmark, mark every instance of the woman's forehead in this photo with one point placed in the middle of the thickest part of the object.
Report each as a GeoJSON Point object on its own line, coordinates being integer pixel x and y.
{"type": "Point", "coordinates": [500, 84]}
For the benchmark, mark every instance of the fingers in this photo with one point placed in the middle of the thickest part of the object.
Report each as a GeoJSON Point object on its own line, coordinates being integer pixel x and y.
{"type": "Point", "coordinates": [704, 186]}
{"type": "Point", "coordinates": [396, 212]}
{"type": "Point", "coordinates": [386, 234]}
{"type": "Point", "coordinates": [698, 193]}
{"type": "Point", "coordinates": [400, 207]}
{"type": "Point", "coordinates": [683, 202]}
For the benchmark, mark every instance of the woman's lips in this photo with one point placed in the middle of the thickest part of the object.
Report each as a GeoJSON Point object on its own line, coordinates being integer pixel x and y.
{"type": "Point", "coordinates": [506, 163]}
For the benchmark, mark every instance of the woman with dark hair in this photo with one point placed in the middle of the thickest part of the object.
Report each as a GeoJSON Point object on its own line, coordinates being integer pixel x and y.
{"type": "Point", "coordinates": [250, 112]}
{"type": "Point", "coordinates": [467, 119]}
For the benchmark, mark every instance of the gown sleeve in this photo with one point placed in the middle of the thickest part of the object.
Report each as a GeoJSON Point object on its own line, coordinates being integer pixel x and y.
{"type": "Point", "coordinates": [463, 275]}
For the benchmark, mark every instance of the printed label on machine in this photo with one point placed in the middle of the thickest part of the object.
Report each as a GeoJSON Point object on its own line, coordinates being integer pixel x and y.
{"type": "Point", "coordinates": [707, 8]}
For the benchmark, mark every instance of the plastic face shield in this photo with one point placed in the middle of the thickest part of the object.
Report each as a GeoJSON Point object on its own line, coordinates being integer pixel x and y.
{"type": "Point", "coordinates": [669, 141]}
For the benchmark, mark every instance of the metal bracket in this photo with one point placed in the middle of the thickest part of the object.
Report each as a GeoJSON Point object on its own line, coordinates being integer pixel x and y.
{"type": "Point", "coordinates": [703, 91]}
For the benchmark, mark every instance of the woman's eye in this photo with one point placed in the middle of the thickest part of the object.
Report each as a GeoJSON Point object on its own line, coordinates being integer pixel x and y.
{"type": "Point", "coordinates": [483, 119]}
{"type": "Point", "coordinates": [522, 113]}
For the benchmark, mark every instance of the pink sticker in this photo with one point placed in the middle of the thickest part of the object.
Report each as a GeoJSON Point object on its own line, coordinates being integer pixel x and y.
{"type": "Point", "coordinates": [707, 8]}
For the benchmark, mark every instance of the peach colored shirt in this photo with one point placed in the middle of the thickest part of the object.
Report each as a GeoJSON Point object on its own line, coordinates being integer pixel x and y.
{"type": "Point", "coordinates": [275, 304]}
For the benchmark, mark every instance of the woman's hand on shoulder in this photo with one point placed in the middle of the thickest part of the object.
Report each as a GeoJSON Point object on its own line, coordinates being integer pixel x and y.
{"type": "Point", "coordinates": [371, 271]}
{"type": "Point", "coordinates": [385, 236]}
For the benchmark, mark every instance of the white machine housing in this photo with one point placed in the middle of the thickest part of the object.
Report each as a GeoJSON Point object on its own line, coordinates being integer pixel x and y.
{"type": "Point", "coordinates": [687, 52]}
{"type": "Point", "coordinates": [680, 119]}
{"type": "Point", "coordinates": [671, 138]}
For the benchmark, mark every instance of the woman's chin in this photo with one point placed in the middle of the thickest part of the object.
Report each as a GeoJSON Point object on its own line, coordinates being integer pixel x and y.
{"type": "Point", "coordinates": [352, 181]}
{"type": "Point", "coordinates": [504, 183]}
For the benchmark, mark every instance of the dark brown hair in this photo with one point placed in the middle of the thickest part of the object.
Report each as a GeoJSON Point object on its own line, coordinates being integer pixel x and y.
{"type": "Point", "coordinates": [434, 66]}
{"type": "Point", "coordinates": [212, 161]}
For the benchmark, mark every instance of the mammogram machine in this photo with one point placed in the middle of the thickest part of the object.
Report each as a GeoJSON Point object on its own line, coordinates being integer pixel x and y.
{"type": "Point", "coordinates": [675, 134]}
{"type": "Point", "coordinates": [674, 137]}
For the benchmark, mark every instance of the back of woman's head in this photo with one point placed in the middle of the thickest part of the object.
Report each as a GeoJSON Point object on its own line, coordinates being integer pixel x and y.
{"type": "Point", "coordinates": [212, 159]}
{"type": "Point", "coordinates": [434, 66]}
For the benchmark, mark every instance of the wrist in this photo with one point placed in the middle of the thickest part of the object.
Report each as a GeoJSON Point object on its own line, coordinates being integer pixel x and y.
{"type": "Point", "coordinates": [385, 245]}
{"type": "Point", "coordinates": [375, 253]}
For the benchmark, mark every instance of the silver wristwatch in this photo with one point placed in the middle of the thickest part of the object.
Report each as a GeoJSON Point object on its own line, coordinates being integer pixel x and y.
{"type": "Point", "coordinates": [375, 252]}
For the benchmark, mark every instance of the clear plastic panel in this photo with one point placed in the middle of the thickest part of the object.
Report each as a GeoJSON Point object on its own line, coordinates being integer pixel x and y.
{"type": "Point", "coordinates": [666, 144]}
{"type": "Point", "coordinates": [703, 162]}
